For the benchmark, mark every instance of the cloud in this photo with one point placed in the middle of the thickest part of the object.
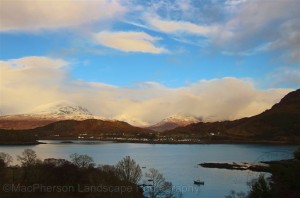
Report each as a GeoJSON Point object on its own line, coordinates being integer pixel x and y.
{"type": "Point", "coordinates": [129, 41]}
{"type": "Point", "coordinates": [33, 81]}
{"type": "Point", "coordinates": [288, 42]}
{"type": "Point", "coordinates": [171, 26]}
{"type": "Point", "coordinates": [233, 5]}
{"type": "Point", "coordinates": [257, 23]}
{"type": "Point", "coordinates": [33, 15]}
{"type": "Point", "coordinates": [284, 77]}
{"type": "Point", "coordinates": [29, 80]}
{"type": "Point", "coordinates": [237, 27]}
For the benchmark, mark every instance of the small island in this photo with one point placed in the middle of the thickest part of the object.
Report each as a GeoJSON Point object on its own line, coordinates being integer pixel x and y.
{"type": "Point", "coordinates": [257, 167]}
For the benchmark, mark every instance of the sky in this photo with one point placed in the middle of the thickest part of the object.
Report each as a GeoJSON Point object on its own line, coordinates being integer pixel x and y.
{"type": "Point", "coordinates": [141, 61]}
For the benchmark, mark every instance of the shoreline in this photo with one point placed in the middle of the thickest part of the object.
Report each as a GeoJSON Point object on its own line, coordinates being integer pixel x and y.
{"type": "Point", "coordinates": [211, 142]}
{"type": "Point", "coordinates": [261, 166]}
{"type": "Point", "coordinates": [20, 143]}
{"type": "Point", "coordinates": [70, 141]}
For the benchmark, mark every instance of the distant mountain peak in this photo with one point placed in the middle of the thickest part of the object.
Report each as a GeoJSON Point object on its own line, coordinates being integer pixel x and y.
{"type": "Point", "coordinates": [174, 121]}
{"type": "Point", "coordinates": [181, 118]}
{"type": "Point", "coordinates": [61, 108]}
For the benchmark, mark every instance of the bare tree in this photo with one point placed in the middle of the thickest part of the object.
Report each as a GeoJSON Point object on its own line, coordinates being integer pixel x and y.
{"type": "Point", "coordinates": [128, 170]}
{"type": "Point", "coordinates": [56, 162]}
{"type": "Point", "coordinates": [159, 187]}
{"type": "Point", "coordinates": [28, 158]}
{"type": "Point", "coordinates": [82, 161]}
{"type": "Point", "coordinates": [297, 154]}
{"type": "Point", "coordinates": [6, 158]}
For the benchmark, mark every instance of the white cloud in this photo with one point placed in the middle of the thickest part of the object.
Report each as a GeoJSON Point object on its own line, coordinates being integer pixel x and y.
{"type": "Point", "coordinates": [27, 83]}
{"type": "Point", "coordinates": [32, 15]}
{"type": "Point", "coordinates": [233, 5]}
{"type": "Point", "coordinates": [36, 62]}
{"type": "Point", "coordinates": [129, 41]}
{"type": "Point", "coordinates": [171, 26]}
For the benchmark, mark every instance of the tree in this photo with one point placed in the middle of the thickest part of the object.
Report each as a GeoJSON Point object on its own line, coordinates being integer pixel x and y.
{"type": "Point", "coordinates": [2, 164]}
{"type": "Point", "coordinates": [2, 172]}
{"type": "Point", "coordinates": [260, 189]}
{"type": "Point", "coordinates": [82, 161]}
{"type": "Point", "coordinates": [233, 194]}
{"type": "Point", "coordinates": [159, 185]}
{"type": "Point", "coordinates": [28, 158]}
{"type": "Point", "coordinates": [56, 162]}
{"type": "Point", "coordinates": [6, 158]}
{"type": "Point", "coordinates": [297, 154]}
{"type": "Point", "coordinates": [128, 170]}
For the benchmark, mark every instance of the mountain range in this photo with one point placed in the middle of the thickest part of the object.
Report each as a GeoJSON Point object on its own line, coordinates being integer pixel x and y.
{"type": "Point", "coordinates": [64, 110]}
{"type": "Point", "coordinates": [281, 123]}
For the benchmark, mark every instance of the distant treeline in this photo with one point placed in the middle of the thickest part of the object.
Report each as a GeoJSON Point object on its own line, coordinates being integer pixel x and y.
{"type": "Point", "coordinates": [17, 137]}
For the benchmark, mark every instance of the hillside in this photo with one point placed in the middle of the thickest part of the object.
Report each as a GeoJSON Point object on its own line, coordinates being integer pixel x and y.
{"type": "Point", "coordinates": [280, 123]}
{"type": "Point", "coordinates": [22, 122]}
{"type": "Point", "coordinates": [90, 128]}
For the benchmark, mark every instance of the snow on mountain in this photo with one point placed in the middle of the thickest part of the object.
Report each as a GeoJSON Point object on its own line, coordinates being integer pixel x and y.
{"type": "Point", "coordinates": [62, 109]}
{"type": "Point", "coordinates": [46, 114]}
{"type": "Point", "coordinates": [174, 121]}
{"type": "Point", "coordinates": [181, 119]}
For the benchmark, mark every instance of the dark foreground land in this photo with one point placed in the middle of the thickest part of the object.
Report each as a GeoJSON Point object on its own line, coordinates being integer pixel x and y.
{"type": "Point", "coordinates": [79, 177]}
{"type": "Point", "coordinates": [63, 178]}
{"type": "Point", "coordinates": [284, 182]}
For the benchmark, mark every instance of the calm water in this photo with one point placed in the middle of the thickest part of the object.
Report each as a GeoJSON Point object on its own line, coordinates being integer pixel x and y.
{"type": "Point", "coordinates": [178, 163]}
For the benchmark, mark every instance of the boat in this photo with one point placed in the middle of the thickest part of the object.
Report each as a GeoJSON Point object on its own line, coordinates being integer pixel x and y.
{"type": "Point", "coordinates": [198, 182]}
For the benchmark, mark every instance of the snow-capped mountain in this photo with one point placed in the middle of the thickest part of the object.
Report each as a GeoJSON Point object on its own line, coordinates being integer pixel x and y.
{"type": "Point", "coordinates": [173, 122]}
{"type": "Point", "coordinates": [46, 114]}
{"type": "Point", "coordinates": [62, 110]}
{"type": "Point", "coordinates": [181, 119]}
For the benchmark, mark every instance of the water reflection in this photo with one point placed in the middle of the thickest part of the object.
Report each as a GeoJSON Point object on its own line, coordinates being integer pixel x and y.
{"type": "Point", "coordinates": [178, 163]}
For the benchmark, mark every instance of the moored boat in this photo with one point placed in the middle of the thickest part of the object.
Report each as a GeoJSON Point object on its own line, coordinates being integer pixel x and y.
{"type": "Point", "coordinates": [198, 182]}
